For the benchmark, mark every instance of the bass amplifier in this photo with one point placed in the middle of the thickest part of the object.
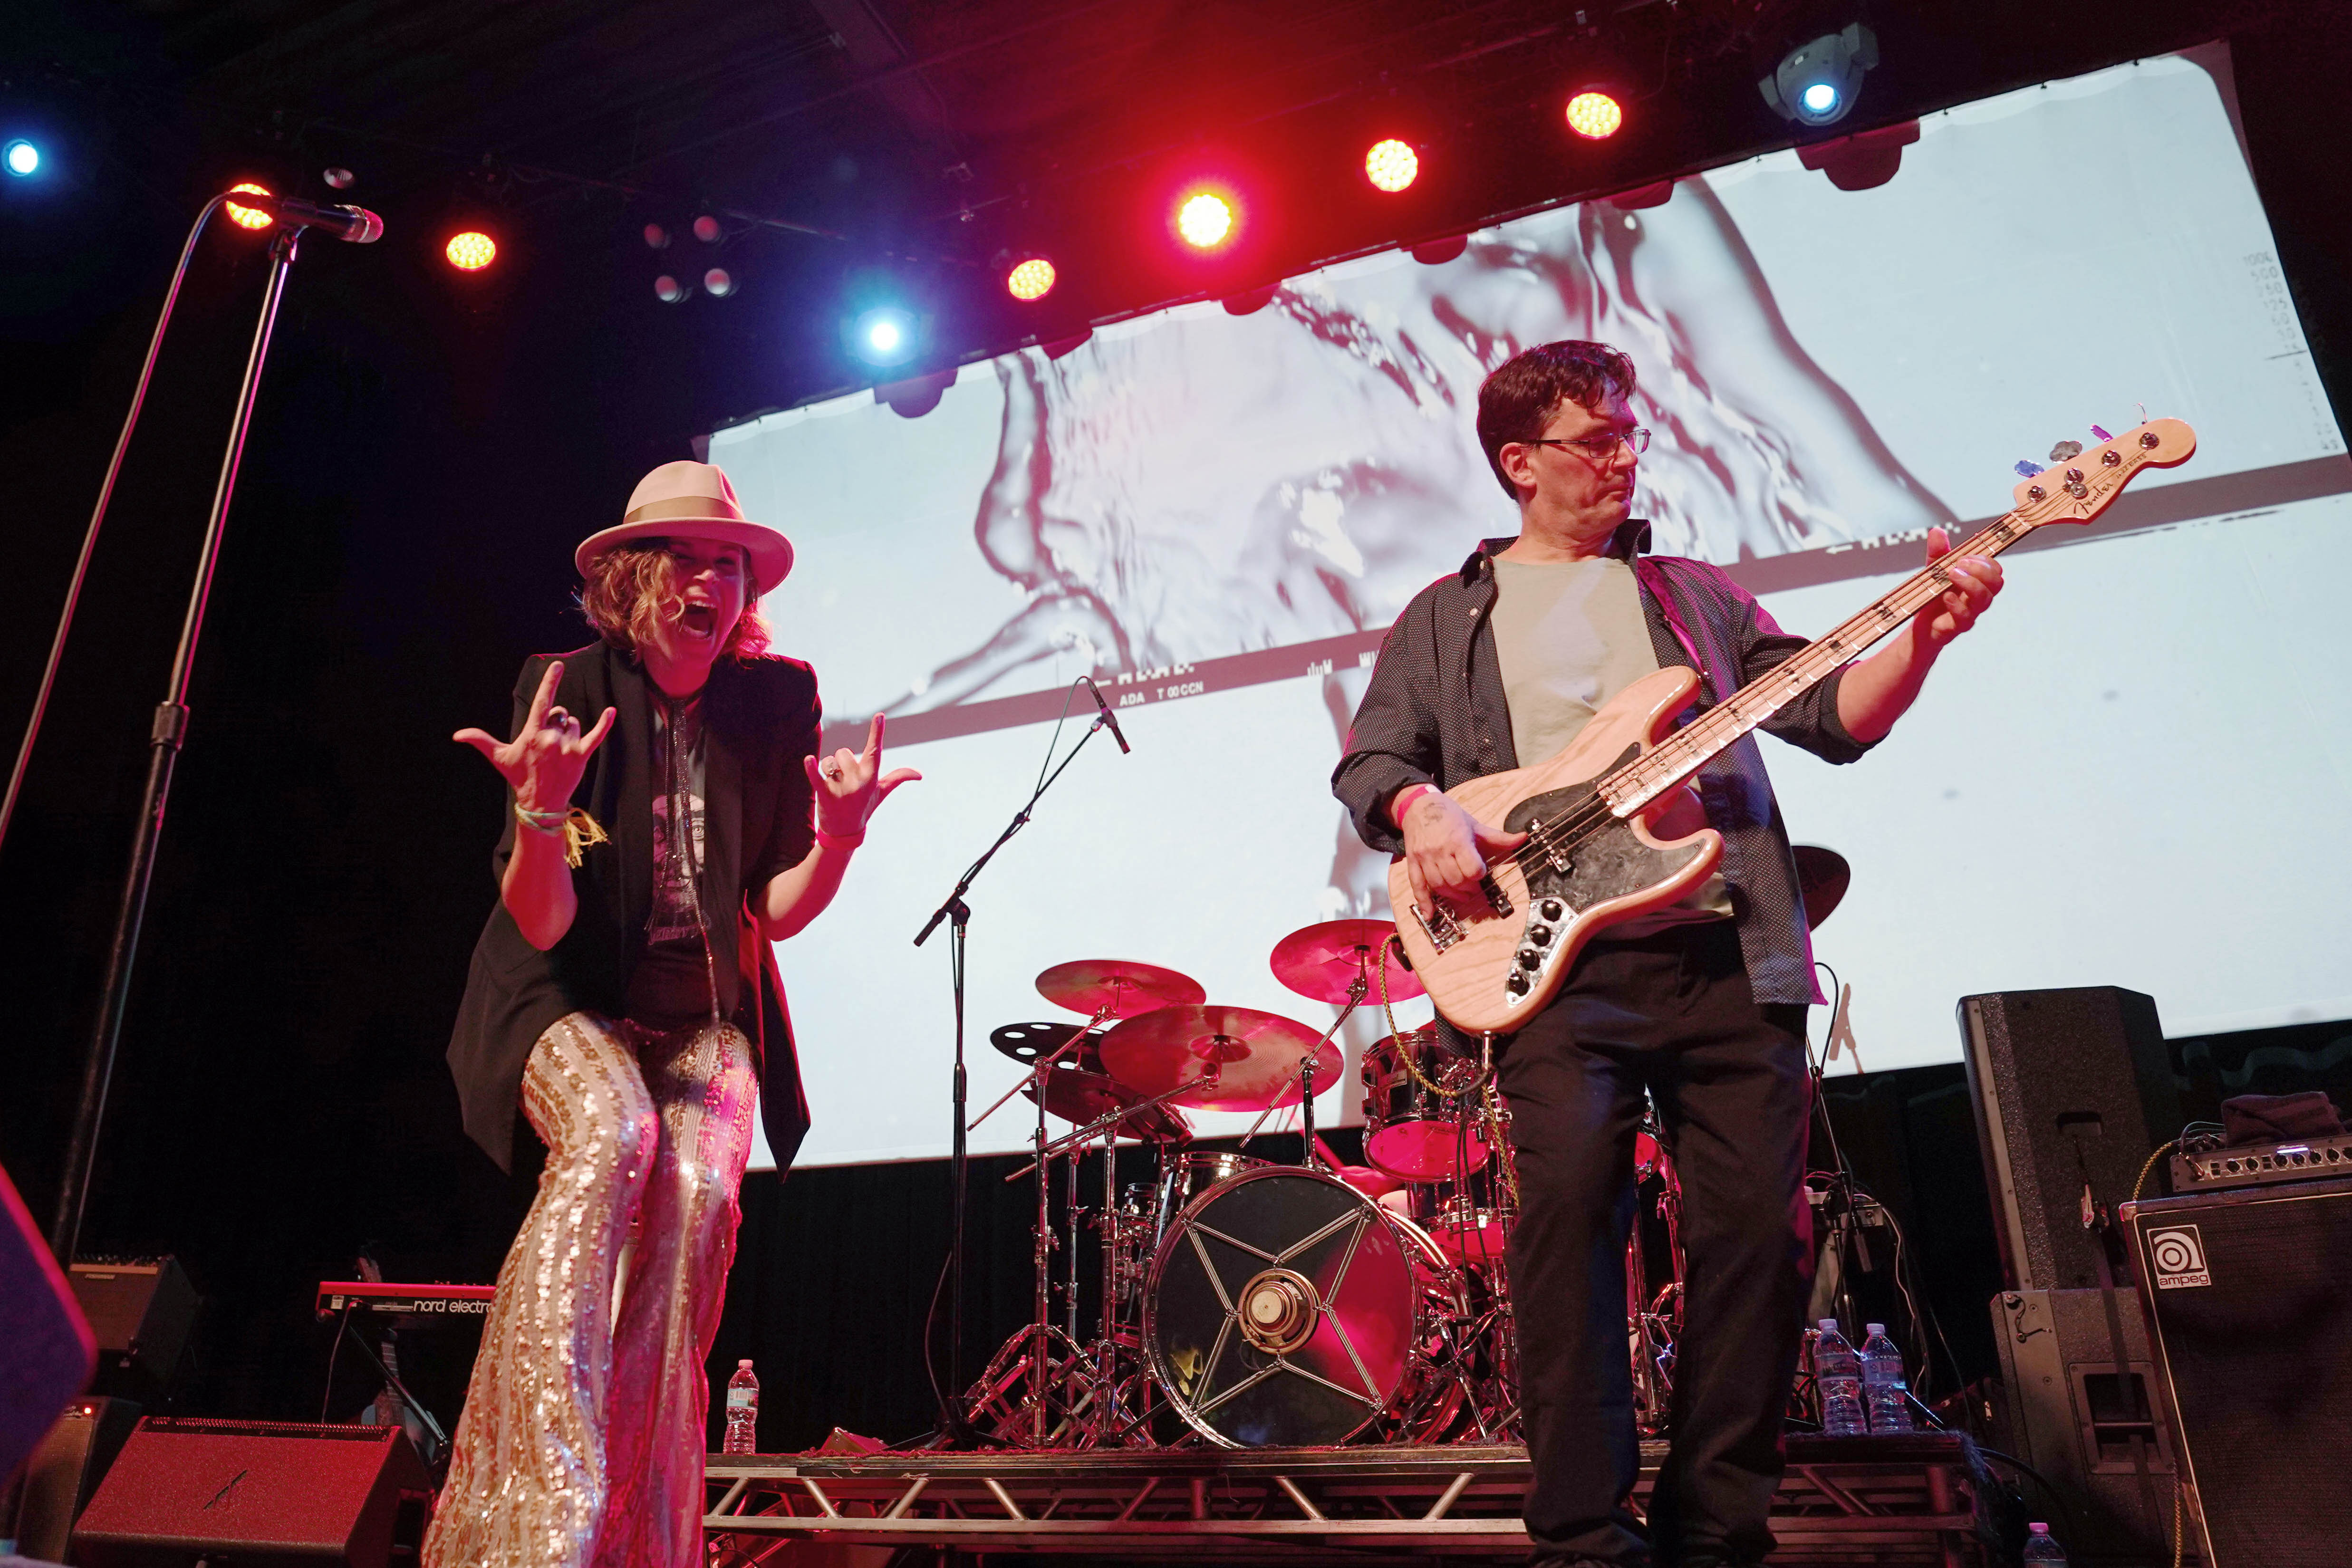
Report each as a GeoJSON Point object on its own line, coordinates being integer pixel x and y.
{"type": "Point", "coordinates": [2258, 1165]}
{"type": "Point", "coordinates": [2248, 1297]}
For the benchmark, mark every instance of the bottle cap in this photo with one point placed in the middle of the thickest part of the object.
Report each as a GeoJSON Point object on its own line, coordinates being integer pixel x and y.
{"type": "Point", "coordinates": [1873, 1328]}
{"type": "Point", "coordinates": [745, 1362]}
{"type": "Point", "coordinates": [1829, 1326]}
{"type": "Point", "coordinates": [2039, 1529]}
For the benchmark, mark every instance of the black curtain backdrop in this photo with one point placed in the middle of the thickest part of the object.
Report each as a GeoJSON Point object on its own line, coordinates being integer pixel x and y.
{"type": "Point", "coordinates": [426, 453]}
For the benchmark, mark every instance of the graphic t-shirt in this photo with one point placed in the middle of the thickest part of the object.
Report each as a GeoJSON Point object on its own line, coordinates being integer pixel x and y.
{"type": "Point", "coordinates": [671, 984]}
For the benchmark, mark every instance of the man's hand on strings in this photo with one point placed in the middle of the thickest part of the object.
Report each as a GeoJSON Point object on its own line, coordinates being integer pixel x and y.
{"type": "Point", "coordinates": [1446, 851]}
{"type": "Point", "coordinates": [1975, 581]}
{"type": "Point", "coordinates": [543, 762]}
{"type": "Point", "coordinates": [850, 785]}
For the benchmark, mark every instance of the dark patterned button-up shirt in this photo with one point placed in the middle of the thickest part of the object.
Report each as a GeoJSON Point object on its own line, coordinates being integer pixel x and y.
{"type": "Point", "coordinates": [1435, 712]}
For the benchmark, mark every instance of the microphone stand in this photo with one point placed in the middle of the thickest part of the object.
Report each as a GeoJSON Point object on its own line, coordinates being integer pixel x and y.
{"type": "Point", "coordinates": [165, 735]}
{"type": "Point", "coordinates": [952, 1426]}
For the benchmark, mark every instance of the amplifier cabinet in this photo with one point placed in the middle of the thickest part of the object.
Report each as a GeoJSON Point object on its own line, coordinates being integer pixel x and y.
{"type": "Point", "coordinates": [2248, 1296]}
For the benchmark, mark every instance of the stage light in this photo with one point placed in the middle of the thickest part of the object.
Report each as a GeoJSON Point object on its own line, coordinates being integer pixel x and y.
{"type": "Point", "coordinates": [471, 251]}
{"type": "Point", "coordinates": [249, 217]}
{"type": "Point", "coordinates": [884, 335]}
{"type": "Point", "coordinates": [1391, 165]}
{"type": "Point", "coordinates": [21, 158]}
{"type": "Point", "coordinates": [1031, 278]}
{"type": "Point", "coordinates": [669, 290]}
{"type": "Point", "coordinates": [657, 237]}
{"type": "Point", "coordinates": [706, 229]}
{"type": "Point", "coordinates": [338, 179]}
{"type": "Point", "coordinates": [1205, 220]}
{"type": "Point", "coordinates": [719, 282]}
{"type": "Point", "coordinates": [1594, 115]}
{"type": "Point", "coordinates": [1816, 82]}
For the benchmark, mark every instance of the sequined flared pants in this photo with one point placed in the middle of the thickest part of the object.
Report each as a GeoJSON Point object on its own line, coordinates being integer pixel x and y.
{"type": "Point", "coordinates": [582, 1439]}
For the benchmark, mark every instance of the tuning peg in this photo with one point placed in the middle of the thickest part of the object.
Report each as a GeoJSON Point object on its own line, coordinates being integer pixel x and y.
{"type": "Point", "coordinates": [2065, 450]}
{"type": "Point", "coordinates": [2027, 470]}
{"type": "Point", "coordinates": [2100, 435]}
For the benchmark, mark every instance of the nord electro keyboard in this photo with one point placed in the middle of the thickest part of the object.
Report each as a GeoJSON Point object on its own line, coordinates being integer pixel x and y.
{"type": "Point", "coordinates": [409, 1303]}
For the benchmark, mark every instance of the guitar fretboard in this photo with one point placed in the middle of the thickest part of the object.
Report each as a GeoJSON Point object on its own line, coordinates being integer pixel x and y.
{"type": "Point", "coordinates": [1684, 752]}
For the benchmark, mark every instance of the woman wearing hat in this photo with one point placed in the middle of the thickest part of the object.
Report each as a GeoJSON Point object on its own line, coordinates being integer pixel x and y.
{"type": "Point", "coordinates": [668, 818]}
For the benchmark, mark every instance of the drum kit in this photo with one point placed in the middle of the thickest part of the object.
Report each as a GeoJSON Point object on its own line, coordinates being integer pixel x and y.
{"type": "Point", "coordinates": [1249, 1302]}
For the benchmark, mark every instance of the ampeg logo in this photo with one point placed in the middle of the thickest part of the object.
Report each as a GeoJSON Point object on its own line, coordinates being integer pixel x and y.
{"type": "Point", "coordinates": [2178, 1254]}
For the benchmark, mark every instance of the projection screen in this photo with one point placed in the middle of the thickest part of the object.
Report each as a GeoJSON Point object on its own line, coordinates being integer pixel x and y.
{"type": "Point", "coordinates": [2134, 772]}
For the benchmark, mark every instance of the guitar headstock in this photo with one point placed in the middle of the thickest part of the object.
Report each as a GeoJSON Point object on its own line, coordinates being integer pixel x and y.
{"type": "Point", "coordinates": [2080, 482]}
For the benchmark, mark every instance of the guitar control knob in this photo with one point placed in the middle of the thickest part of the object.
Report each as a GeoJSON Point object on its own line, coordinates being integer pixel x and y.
{"type": "Point", "coordinates": [1538, 935]}
{"type": "Point", "coordinates": [1551, 909]}
{"type": "Point", "coordinates": [1517, 983]}
{"type": "Point", "coordinates": [1529, 959]}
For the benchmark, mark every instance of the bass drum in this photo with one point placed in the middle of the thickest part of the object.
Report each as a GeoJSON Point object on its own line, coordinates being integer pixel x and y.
{"type": "Point", "coordinates": [1285, 1308]}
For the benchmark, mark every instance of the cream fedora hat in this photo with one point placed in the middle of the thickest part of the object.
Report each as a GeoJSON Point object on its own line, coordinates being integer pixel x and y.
{"type": "Point", "coordinates": [692, 500]}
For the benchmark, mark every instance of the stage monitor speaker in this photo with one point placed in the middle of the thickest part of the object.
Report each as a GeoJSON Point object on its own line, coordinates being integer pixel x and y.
{"type": "Point", "coordinates": [2249, 1304]}
{"type": "Point", "coordinates": [254, 1491]}
{"type": "Point", "coordinates": [2073, 1414]}
{"type": "Point", "coordinates": [2068, 1086]}
{"type": "Point", "coordinates": [65, 1470]}
{"type": "Point", "coordinates": [142, 1312]}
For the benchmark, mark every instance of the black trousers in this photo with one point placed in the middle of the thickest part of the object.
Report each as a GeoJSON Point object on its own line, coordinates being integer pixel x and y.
{"type": "Point", "coordinates": [1674, 1014]}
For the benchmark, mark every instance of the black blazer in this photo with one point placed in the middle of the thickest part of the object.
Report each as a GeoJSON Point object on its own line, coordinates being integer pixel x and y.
{"type": "Point", "coordinates": [760, 719]}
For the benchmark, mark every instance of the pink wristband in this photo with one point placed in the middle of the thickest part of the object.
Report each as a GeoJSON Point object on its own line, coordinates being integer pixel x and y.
{"type": "Point", "coordinates": [1404, 799]}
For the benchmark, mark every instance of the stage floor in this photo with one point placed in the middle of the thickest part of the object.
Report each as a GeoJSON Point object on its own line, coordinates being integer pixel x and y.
{"type": "Point", "coordinates": [1845, 1500]}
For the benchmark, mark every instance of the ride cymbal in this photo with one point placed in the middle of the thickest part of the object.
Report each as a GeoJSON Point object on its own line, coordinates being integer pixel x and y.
{"type": "Point", "coordinates": [1239, 1059]}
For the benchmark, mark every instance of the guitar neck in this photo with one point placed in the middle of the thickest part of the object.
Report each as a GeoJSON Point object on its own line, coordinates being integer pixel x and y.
{"type": "Point", "coordinates": [1675, 759]}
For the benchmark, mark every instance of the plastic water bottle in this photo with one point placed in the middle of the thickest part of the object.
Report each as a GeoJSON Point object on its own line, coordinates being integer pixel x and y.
{"type": "Point", "coordinates": [1837, 1378]}
{"type": "Point", "coordinates": [2039, 1548]}
{"type": "Point", "coordinates": [742, 1411]}
{"type": "Point", "coordinates": [1884, 1391]}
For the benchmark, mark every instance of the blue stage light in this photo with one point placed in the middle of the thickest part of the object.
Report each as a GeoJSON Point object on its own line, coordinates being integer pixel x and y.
{"type": "Point", "coordinates": [21, 158]}
{"type": "Point", "coordinates": [1816, 82]}
{"type": "Point", "coordinates": [884, 335]}
{"type": "Point", "coordinates": [1820, 98]}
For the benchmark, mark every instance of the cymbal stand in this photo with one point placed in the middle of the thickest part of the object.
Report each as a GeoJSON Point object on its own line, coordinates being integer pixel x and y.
{"type": "Point", "coordinates": [1304, 1067]}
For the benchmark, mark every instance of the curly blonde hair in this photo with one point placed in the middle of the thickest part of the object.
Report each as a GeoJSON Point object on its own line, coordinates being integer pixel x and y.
{"type": "Point", "coordinates": [632, 591]}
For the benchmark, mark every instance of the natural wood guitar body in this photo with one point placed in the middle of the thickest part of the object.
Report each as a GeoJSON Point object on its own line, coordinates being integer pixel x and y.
{"type": "Point", "coordinates": [1611, 875]}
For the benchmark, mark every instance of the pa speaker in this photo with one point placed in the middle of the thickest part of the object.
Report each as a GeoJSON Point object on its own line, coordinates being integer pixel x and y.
{"type": "Point", "coordinates": [2072, 1090]}
{"type": "Point", "coordinates": [256, 1491]}
{"type": "Point", "coordinates": [2249, 1301]}
{"type": "Point", "coordinates": [142, 1312]}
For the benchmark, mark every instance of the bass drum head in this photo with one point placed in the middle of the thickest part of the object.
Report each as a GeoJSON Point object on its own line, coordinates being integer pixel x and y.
{"type": "Point", "coordinates": [1284, 1307]}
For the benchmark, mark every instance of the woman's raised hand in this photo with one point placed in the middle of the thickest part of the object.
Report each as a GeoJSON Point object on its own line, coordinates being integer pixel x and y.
{"type": "Point", "coordinates": [543, 762]}
{"type": "Point", "coordinates": [850, 784]}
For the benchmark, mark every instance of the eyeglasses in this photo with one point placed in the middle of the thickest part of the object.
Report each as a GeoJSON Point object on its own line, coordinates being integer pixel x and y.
{"type": "Point", "coordinates": [1600, 448]}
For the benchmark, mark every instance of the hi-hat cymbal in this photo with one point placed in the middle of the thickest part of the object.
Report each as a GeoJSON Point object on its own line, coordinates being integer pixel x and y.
{"type": "Point", "coordinates": [1031, 1042]}
{"type": "Point", "coordinates": [1114, 984]}
{"type": "Point", "coordinates": [1323, 961]}
{"type": "Point", "coordinates": [1079, 1097]}
{"type": "Point", "coordinates": [1252, 1054]}
{"type": "Point", "coordinates": [1822, 877]}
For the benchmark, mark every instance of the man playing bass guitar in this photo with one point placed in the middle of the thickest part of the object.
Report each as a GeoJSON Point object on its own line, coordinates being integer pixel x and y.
{"type": "Point", "coordinates": [1701, 1003]}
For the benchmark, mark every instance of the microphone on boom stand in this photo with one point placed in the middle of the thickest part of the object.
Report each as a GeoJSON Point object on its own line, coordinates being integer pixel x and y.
{"type": "Point", "coordinates": [1110, 719]}
{"type": "Point", "coordinates": [355, 224]}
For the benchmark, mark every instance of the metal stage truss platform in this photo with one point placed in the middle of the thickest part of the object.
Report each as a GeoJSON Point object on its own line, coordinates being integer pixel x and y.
{"type": "Point", "coordinates": [1845, 1500]}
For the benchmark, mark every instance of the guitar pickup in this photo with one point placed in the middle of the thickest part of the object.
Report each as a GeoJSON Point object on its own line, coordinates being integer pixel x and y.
{"type": "Point", "coordinates": [1439, 926]}
{"type": "Point", "coordinates": [1499, 901]}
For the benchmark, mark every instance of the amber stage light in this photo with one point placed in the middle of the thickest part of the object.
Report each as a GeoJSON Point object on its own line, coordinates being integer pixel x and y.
{"type": "Point", "coordinates": [1391, 165]}
{"type": "Point", "coordinates": [1032, 280]}
{"type": "Point", "coordinates": [1594, 115]}
{"type": "Point", "coordinates": [249, 217]}
{"type": "Point", "coordinates": [1204, 220]}
{"type": "Point", "coordinates": [472, 251]}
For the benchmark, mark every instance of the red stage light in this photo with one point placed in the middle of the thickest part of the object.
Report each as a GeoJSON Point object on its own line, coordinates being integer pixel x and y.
{"type": "Point", "coordinates": [1594, 115]}
{"type": "Point", "coordinates": [249, 217]}
{"type": "Point", "coordinates": [1205, 220]}
{"type": "Point", "coordinates": [1032, 280]}
{"type": "Point", "coordinates": [1391, 165]}
{"type": "Point", "coordinates": [471, 251]}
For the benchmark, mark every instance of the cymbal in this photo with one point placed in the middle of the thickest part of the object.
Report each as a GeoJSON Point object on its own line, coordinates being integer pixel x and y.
{"type": "Point", "coordinates": [1253, 1053]}
{"type": "Point", "coordinates": [1822, 877]}
{"type": "Point", "coordinates": [1031, 1042]}
{"type": "Point", "coordinates": [1092, 985]}
{"type": "Point", "coordinates": [1079, 1096]}
{"type": "Point", "coordinates": [1322, 961]}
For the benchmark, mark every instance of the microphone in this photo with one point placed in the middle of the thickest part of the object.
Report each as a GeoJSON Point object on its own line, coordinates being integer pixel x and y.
{"type": "Point", "coordinates": [1110, 719]}
{"type": "Point", "coordinates": [355, 224]}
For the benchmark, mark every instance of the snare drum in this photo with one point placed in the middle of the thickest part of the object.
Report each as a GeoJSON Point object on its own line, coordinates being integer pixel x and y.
{"type": "Point", "coordinates": [1472, 1234]}
{"type": "Point", "coordinates": [1411, 1128]}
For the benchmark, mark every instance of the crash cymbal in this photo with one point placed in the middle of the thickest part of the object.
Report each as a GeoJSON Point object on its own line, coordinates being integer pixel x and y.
{"type": "Point", "coordinates": [1079, 1097]}
{"type": "Point", "coordinates": [1254, 1054]}
{"type": "Point", "coordinates": [1323, 961]}
{"type": "Point", "coordinates": [1092, 985]}
{"type": "Point", "coordinates": [1822, 877]}
{"type": "Point", "coordinates": [1031, 1042]}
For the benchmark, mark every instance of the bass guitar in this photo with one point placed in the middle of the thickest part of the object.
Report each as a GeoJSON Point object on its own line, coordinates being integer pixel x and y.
{"type": "Point", "coordinates": [1590, 859]}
